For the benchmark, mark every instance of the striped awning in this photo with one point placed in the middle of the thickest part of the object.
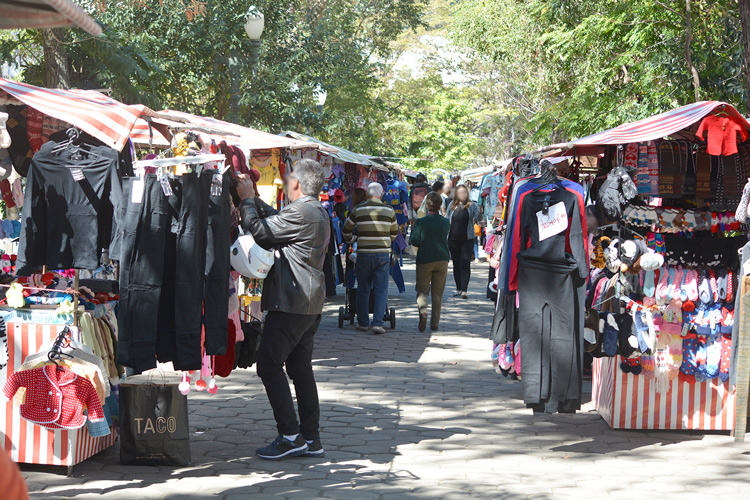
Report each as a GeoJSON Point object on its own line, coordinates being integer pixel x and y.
{"type": "Point", "coordinates": [341, 154]}
{"type": "Point", "coordinates": [219, 130]}
{"type": "Point", "coordinates": [34, 14]}
{"type": "Point", "coordinates": [652, 128]}
{"type": "Point", "coordinates": [102, 117]}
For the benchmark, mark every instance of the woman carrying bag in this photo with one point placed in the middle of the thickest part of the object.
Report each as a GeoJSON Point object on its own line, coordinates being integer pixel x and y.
{"type": "Point", "coordinates": [463, 214]}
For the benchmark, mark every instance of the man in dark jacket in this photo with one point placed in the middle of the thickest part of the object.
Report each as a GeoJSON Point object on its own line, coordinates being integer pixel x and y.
{"type": "Point", "coordinates": [293, 295]}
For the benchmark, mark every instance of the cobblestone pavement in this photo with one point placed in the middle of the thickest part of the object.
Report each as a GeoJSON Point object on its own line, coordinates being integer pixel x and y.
{"type": "Point", "coordinates": [415, 415]}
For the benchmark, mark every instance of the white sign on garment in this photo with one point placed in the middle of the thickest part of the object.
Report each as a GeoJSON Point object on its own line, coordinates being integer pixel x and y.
{"type": "Point", "coordinates": [136, 193]}
{"type": "Point", "coordinates": [554, 222]}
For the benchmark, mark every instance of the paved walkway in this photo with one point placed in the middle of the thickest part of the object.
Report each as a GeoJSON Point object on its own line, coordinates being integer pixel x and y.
{"type": "Point", "coordinates": [410, 415]}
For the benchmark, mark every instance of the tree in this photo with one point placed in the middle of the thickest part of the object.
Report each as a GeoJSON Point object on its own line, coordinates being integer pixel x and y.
{"type": "Point", "coordinates": [574, 68]}
{"type": "Point", "coordinates": [744, 6]}
{"type": "Point", "coordinates": [173, 54]}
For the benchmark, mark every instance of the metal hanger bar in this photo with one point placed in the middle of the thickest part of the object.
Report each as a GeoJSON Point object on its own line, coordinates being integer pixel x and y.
{"type": "Point", "coordinates": [169, 162]}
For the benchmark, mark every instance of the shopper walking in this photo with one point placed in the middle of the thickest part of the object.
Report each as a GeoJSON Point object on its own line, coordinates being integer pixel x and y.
{"type": "Point", "coordinates": [376, 227]}
{"type": "Point", "coordinates": [430, 235]}
{"type": "Point", "coordinates": [293, 295]}
{"type": "Point", "coordinates": [463, 214]}
{"type": "Point", "coordinates": [418, 193]}
{"type": "Point", "coordinates": [447, 197]}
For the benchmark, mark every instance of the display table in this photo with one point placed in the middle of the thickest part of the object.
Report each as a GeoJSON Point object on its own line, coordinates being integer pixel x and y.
{"type": "Point", "coordinates": [627, 401]}
{"type": "Point", "coordinates": [29, 443]}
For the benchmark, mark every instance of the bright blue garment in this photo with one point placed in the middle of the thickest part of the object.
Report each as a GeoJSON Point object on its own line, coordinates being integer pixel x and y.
{"type": "Point", "coordinates": [396, 195]}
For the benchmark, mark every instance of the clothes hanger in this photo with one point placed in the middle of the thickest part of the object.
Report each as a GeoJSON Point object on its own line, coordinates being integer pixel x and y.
{"type": "Point", "coordinates": [74, 146]}
{"type": "Point", "coordinates": [722, 111]}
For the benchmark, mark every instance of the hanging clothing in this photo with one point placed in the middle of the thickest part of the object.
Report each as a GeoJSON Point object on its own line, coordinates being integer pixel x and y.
{"type": "Point", "coordinates": [173, 271]}
{"type": "Point", "coordinates": [550, 327]}
{"type": "Point", "coordinates": [549, 269]}
{"type": "Point", "coordinates": [509, 263]}
{"type": "Point", "coordinates": [55, 398]}
{"type": "Point", "coordinates": [396, 198]}
{"type": "Point", "coordinates": [70, 209]}
{"type": "Point", "coordinates": [721, 134]}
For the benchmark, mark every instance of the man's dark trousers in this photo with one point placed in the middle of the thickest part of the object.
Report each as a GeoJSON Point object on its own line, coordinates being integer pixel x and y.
{"type": "Point", "coordinates": [288, 339]}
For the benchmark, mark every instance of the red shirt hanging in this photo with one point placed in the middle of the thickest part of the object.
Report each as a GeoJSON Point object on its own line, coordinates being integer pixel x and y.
{"type": "Point", "coordinates": [722, 134]}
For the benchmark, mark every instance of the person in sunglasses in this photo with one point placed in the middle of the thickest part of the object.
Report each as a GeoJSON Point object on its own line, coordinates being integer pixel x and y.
{"type": "Point", "coordinates": [293, 295]}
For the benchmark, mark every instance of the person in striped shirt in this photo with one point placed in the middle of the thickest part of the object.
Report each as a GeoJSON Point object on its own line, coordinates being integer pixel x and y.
{"type": "Point", "coordinates": [376, 228]}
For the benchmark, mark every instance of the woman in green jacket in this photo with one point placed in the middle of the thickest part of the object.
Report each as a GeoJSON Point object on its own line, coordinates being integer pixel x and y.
{"type": "Point", "coordinates": [430, 235]}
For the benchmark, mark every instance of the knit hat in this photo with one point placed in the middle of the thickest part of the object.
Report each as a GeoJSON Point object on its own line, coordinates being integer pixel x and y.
{"type": "Point", "coordinates": [338, 196]}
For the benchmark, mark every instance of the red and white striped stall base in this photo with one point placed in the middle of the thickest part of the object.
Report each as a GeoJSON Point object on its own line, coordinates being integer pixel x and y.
{"type": "Point", "coordinates": [29, 443]}
{"type": "Point", "coordinates": [627, 401]}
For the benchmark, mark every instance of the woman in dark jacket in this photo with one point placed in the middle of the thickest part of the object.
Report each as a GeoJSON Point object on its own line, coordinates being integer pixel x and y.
{"type": "Point", "coordinates": [463, 214]}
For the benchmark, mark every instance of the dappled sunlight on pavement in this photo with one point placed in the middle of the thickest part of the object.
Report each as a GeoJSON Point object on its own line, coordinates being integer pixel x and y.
{"type": "Point", "coordinates": [414, 415]}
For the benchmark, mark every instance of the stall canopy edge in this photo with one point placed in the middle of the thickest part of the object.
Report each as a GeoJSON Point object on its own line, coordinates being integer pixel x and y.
{"type": "Point", "coordinates": [102, 117]}
{"type": "Point", "coordinates": [37, 14]}
{"type": "Point", "coordinates": [648, 129]}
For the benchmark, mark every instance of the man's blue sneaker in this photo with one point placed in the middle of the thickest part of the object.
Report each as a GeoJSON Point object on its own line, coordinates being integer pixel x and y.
{"type": "Point", "coordinates": [282, 447]}
{"type": "Point", "coordinates": [315, 449]}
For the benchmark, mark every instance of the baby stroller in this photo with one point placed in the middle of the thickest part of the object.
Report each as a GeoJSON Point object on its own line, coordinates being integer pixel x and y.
{"type": "Point", "coordinates": [348, 312]}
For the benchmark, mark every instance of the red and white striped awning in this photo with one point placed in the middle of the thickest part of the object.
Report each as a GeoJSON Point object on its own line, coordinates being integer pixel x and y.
{"type": "Point", "coordinates": [218, 130]}
{"type": "Point", "coordinates": [652, 128]}
{"type": "Point", "coordinates": [18, 14]}
{"type": "Point", "coordinates": [102, 117]}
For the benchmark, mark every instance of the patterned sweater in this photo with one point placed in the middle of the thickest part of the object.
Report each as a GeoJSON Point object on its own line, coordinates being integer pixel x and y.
{"type": "Point", "coordinates": [376, 227]}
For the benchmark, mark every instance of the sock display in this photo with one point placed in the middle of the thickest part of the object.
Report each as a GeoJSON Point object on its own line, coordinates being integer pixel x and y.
{"type": "Point", "coordinates": [704, 289]}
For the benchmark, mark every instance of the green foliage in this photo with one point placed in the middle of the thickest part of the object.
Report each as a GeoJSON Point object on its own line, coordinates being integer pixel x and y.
{"type": "Point", "coordinates": [572, 68]}
{"type": "Point", "coordinates": [429, 124]}
{"type": "Point", "coordinates": [173, 54]}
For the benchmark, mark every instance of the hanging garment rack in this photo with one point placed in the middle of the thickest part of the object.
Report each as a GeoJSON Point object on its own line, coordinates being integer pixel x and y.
{"type": "Point", "coordinates": [180, 160]}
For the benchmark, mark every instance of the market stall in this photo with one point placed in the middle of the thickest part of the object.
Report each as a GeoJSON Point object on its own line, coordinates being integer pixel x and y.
{"type": "Point", "coordinates": [659, 306]}
{"type": "Point", "coordinates": [54, 315]}
{"type": "Point", "coordinates": [108, 263]}
{"type": "Point", "coordinates": [689, 167]}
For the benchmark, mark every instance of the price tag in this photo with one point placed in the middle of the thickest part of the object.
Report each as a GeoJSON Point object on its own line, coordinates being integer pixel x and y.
{"type": "Point", "coordinates": [554, 222]}
{"type": "Point", "coordinates": [77, 174]}
{"type": "Point", "coordinates": [166, 187]}
{"type": "Point", "coordinates": [217, 184]}
{"type": "Point", "coordinates": [136, 194]}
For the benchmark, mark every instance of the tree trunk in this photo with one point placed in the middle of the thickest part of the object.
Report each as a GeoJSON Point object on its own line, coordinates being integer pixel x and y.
{"type": "Point", "coordinates": [56, 71]}
{"type": "Point", "coordinates": [688, 51]}
{"type": "Point", "coordinates": [745, 17]}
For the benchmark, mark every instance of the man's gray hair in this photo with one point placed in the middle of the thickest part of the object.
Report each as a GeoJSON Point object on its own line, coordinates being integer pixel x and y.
{"type": "Point", "coordinates": [310, 175]}
{"type": "Point", "coordinates": [375, 190]}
